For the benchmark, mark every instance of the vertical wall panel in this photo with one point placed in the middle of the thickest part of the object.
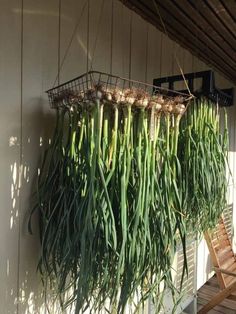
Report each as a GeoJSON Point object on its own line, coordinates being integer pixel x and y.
{"type": "Point", "coordinates": [10, 139]}
{"type": "Point", "coordinates": [40, 47]}
{"type": "Point", "coordinates": [232, 159]}
{"type": "Point", "coordinates": [166, 56]}
{"type": "Point", "coordinates": [138, 48]}
{"type": "Point", "coordinates": [100, 34]}
{"type": "Point", "coordinates": [154, 54]}
{"type": "Point", "coordinates": [177, 59]}
{"type": "Point", "coordinates": [73, 40]}
{"type": "Point", "coordinates": [121, 39]}
{"type": "Point", "coordinates": [187, 61]}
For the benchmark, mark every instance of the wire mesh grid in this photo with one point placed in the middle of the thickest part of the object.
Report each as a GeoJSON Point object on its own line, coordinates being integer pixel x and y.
{"type": "Point", "coordinates": [74, 90]}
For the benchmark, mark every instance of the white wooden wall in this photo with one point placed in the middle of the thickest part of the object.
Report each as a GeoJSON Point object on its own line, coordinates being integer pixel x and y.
{"type": "Point", "coordinates": [34, 37]}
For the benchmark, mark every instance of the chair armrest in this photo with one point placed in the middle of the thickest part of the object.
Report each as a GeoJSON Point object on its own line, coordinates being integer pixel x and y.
{"type": "Point", "coordinates": [224, 271]}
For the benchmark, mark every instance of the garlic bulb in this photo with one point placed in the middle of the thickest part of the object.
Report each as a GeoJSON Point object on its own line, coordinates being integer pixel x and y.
{"type": "Point", "coordinates": [108, 95]}
{"type": "Point", "coordinates": [141, 103]}
{"type": "Point", "coordinates": [142, 99]}
{"type": "Point", "coordinates": [158, 107]}
{"type": "Point", "coordinates": [159, 99]}
{"type": "Point", "coordinates": [122, 98]}
{"type": "Point", "coordinates": [115, 95]}
{"type": "Point", "coordinates": [167, 106]}
{"type": "Point", "coordinates": [130, 96]}
{"type": "Point", "coordinates": [180, 109]}
{"type": "Point", "coordinates": [179, 99]}
{"type": "Point", "coordinates": [156, 102]}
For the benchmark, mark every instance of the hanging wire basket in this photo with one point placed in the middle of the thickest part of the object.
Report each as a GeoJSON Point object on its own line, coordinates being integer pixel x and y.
{"type": "Point", "coordinates": [75, 90]}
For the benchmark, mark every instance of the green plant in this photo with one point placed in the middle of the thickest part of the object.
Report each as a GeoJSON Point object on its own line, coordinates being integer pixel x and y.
{"type": "Point", "coordinates": [124, 175]}
{"type": "Point", "coordinates": [203, 151]}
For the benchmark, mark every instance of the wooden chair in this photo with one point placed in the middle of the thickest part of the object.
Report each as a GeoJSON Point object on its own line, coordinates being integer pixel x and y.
{"type": "Point", "coordinates": [224, 262]}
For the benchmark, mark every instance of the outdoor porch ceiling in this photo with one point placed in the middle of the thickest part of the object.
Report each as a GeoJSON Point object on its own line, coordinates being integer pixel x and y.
{"type": "Point", "coordinates": [207, 28]}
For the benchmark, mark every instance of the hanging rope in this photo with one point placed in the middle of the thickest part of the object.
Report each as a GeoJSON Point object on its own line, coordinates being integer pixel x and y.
{"type": "Point", "coordinates": [97, 34]}
{"type": "Point", "coordinates": [61, 63]}
{"type": "Point", "coordinates": [195, 39]}
{"type": "Point", "coordinates": [160, 66]}
{"type": "Point", "coordinates": [175, 56]}
{"type": "Point", "coordinates": [146, 63]}
{"type": "Point", "coordinates": [130, 42]}
{"type": "Point", "coordinates": [173, 60]}
{"type": "Point", "coordinates": [59, 44]}
{"type": "Point", "coordinates": [123, 54]}
{"type": "Point", "coordinates": [112, 31]}
{"type": "Point", "coordinates": [184, 60]}
{"type": "Point", "coordinates": [88, 24]}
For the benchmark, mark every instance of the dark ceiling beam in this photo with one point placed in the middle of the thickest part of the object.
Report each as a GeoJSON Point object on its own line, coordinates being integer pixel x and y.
{"type": "Point", "coordinates": [220, 9]}
{"type": "Point", "coordinates": [190, 17]}
{"type": "Point", "coordinates": [190, 32]}
{"type": "Point", "coordinates": [231, 8]}
{"type": "Point", "coordinates": [199, 26]}
{"type": "Point", "coordinates": [212, 17]}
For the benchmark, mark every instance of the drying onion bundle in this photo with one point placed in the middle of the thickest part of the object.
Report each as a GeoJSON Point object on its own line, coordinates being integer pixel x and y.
{"type": "Point", "coordinates": [203, 151]}
{"type": "Point", "coordinates": [113, 197]}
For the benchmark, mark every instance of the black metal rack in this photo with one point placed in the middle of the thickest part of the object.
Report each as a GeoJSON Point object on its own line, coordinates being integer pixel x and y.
{"type": "Point", "coordinates": [224, 97]}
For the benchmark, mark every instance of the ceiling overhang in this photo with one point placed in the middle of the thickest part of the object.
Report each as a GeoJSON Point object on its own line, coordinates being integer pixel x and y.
{"type": "Point", "coordinates": [207, 28]}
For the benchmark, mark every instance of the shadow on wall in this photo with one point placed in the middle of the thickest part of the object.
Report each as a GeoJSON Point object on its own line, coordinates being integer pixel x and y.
{"type": "Point", "coordinates": [37, 130]}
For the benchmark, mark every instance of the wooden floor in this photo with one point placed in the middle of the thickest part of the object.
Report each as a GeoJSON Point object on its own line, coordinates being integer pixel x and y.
{"type": "Point", "coordinates": [206, 292]}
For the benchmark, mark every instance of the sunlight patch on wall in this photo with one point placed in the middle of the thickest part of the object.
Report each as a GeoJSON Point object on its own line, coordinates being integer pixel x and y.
{"type": "Point", "coordinates": [8, 267]}
{"type": "Point", "coordinates": [12, 141]}
{"type": "Point", "coordinates": [40, 141]}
